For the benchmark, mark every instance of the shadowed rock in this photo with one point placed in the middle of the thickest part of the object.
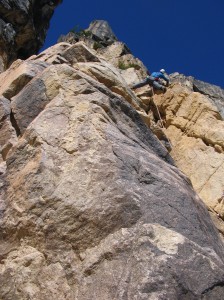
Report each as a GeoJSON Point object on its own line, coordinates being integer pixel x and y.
{"type": "Point", "coordinates": [214, 93]}
{"type": "Point", "coordinates": [23, 28]}
{"type": "Point", "coordinates": [102, 30]}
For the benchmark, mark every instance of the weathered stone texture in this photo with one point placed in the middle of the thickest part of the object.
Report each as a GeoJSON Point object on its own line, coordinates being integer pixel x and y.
{"type": "Point", "coordinates": [196, 131]}
{"type": "Point", "coordinates": [100, 37]}
{"type": "Point", "coordinates": [92, 205]}
{"type": "Point", "coordinates": [99, 34]}
{"type": "Point", "coordinates": [214, 93]}
{"type": "Point", "coordinates": [23, 28]}
{"type": "Point", "coordinates": [18, 75]}
{"type": "Point", "coordinates": [102, 30]}
{"type": "Point", "coordinates": [8, 134]}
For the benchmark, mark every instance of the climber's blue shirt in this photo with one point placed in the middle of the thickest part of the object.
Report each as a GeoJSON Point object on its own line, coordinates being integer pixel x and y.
{"type": "Point", "coordinates": [159, 75]}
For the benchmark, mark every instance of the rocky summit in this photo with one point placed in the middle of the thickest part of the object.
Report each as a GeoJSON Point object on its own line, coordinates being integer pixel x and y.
{"type": "Point", "coordinates": [108, 192]}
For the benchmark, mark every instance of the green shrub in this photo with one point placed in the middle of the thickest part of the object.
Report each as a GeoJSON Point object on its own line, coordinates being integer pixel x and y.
{"type": "Point", "coordinates": [87, 33]}
{"type": "Point", "coordinates": [75, 29]}
{"type": "Point", "coordinates": [97, 45]}
{"type": "Point", "coordinates": [80, 32]}
{"type": "Point", "coordinates": [123, 66]}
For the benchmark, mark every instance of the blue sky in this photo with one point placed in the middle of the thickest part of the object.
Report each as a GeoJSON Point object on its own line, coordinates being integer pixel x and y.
{"type": "Point", "coordinates": [177, 35]}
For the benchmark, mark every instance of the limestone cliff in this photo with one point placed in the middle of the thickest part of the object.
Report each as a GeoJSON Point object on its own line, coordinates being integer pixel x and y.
{"type": "Point", "coordinates": [193, 117]}
{"type": "Point", "coordinates": [193, 114]}
{"type": "Point", "coordinates": [23, 28]}
{"type": "Point", "coordinates": [92, 205]}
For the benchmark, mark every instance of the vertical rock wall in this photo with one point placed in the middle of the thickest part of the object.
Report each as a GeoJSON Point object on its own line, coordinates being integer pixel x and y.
{"type": "Point", "coordinates": [92, 205]}
{"type": "Point", "coordinates": [195, 126]}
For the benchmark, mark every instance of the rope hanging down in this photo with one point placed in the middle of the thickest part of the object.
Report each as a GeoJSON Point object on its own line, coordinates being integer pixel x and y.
{"type": "Point", "coordinates": [161, 121]}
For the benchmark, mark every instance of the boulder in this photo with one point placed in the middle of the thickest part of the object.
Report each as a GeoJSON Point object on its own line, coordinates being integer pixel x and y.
{"type": "Point", "coordinates": [114, 51]}
{"type": "Point", "coordinates": [18, 75]}
{"type": "Point", "coordinates": [79, 53]}
{"type": "Point", "coordinates": [31, 100]}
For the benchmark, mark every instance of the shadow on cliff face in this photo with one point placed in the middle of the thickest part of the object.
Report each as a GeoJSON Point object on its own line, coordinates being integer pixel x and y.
{"type": "Point", "coordinates": [23, 28]}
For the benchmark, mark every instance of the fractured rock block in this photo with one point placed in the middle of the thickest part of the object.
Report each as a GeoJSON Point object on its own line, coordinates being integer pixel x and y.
{"type": "Point", "coordinates": [108, 75]}
{"type": "Point", "coordinates": [18, 75]}
{"type": "Point", "coordinates": [79, 53]}
{"type": "Point", "coordinates": [8, 134]}
{"type": "Point", "coordinates": [34, 97]}
{"type": "Point", "coordinates": [52, 54]}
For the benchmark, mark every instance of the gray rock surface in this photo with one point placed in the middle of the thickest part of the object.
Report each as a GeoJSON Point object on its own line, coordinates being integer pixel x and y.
{"type": "Point", "coordinates": [102, 30]}
{"type": "Point", "coordinates": [23, 28]}
{"type": "Point", "coordinates": [98, 35]}
{"type": "Point", "coordinates": [92, 205]}
{"type": "Point", "coordinates": [8, 131]}
{"type": "Point", "coordinates": [214, 92]}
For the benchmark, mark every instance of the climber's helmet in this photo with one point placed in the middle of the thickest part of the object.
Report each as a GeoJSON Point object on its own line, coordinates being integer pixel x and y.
{"type": "Point", "coordinates": [162, 71]}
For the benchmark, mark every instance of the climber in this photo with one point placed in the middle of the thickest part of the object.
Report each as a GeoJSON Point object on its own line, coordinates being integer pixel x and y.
{"type": "Point", "coordinates": [154, 80]}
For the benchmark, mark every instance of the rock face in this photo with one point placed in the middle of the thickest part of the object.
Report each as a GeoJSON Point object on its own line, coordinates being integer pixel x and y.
{"type": "Point", "coordinates": [23, 28]}
{"type": "Point", "coordinates": [102, 30]}
{"type": "Point", "coordinates": [98, 35]}
{"type": "Point", "coordinates": [92, 205]}
{"type": "Point", "coordinates": [214, 93]}
{"type": "Point", "coordinates": [195, 126]}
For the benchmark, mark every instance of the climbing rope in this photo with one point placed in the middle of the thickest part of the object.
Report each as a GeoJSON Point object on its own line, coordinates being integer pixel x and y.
{"type": "Point", "coordinates": [161, 121]}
